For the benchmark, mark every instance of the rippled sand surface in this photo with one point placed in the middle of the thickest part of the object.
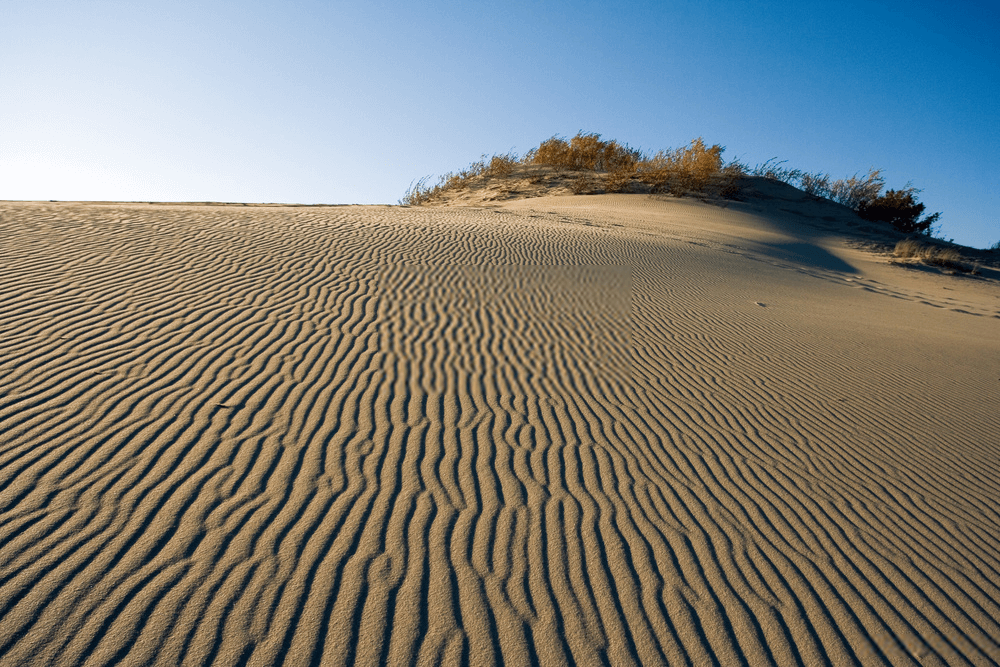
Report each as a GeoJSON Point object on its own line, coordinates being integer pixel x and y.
{"type": "Point", "coordinates": [591, 430]}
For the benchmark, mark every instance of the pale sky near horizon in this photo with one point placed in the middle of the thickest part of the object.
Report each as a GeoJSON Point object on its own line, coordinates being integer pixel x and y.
{"type": "Point", "coordinates": [337, 102]}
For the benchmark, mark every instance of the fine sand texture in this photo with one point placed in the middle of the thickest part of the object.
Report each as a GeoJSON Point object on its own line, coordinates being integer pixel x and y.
{"type": "Point", "coordinates": [593, 430]}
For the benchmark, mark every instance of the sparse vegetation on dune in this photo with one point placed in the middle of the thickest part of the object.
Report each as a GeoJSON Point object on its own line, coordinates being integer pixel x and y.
{"type": "Point", "coordinates": [500, 165]}
{"type": "Point", "coordinates": [590, 165]}
{"type": "Point", "coordinates": [915, 250]}
{"type": "Point", "coordinates": [852, 192]}
{"type": "Point", "coordinates": [587, 164]}
{"type": "Point", "coordinates": [862, 193]}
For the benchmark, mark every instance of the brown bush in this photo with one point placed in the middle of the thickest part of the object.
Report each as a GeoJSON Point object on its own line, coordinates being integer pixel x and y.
{"type": "Point", "coordinates": [583, 185]}
{"type": "Point", "coordinates": [502, 165]}
{"type": "Point", "coordinates": [682, 170]}
{"type": "Point", "coordinates": [552, 152]}
{"type": "Point", "coordinates": [657, 171]}
{"type": "Point", "coordinates": [585, 152]}
{"type": "Point", "coordinates": [620, 180]}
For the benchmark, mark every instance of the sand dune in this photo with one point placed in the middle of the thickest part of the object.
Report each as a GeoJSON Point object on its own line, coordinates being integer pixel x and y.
{"type": "Point", "coordinates": [572, 430]}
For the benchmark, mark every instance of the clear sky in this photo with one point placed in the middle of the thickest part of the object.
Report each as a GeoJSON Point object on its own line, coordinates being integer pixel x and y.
{"type": "Point", "coordinates": [348, 102]}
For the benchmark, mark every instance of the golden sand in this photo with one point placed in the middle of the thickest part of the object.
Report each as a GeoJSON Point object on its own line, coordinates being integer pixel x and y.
{"type": "Point", "coordinates": [568, 430]}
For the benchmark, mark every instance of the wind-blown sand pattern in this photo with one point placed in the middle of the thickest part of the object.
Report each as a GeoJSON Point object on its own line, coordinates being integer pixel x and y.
{"type": "Point", "coordinates": [585, 430]}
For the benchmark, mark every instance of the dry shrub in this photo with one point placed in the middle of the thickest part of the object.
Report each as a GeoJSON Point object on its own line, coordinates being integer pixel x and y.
{"type": "Point", "coordinates": [583, 185]}
{"type": "Point", "coordinates": [698, 164]}
{"type": "Point", "coordinates": [682, 170]}
{"type": "Point", "coordinates": [619, 157]}
{"type": "Point", "coordinates": [502, 165]}
{"type": "Point", "coordinates": [585, 152]}
{"type": "Point", "coordinates": [552, 152]}
{"type": "Point", "coordinates": [657, 171]}
{"type": "Point", "coordinates": [620, 180]}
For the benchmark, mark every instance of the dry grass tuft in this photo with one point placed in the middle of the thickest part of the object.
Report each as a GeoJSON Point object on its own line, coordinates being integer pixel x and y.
{"type": "Point", "coordinates": [501, 165]}
{"type": "Point", "coordinates": [773, 170]}
{"type": "Point", "coordinates": [817, 184]}
{"type": "Point", "coordinates": [856, 191]}
{"type": "Point", "coordinates": [934, 255]}
{"type": "Point", "coordinates": [853, 192]}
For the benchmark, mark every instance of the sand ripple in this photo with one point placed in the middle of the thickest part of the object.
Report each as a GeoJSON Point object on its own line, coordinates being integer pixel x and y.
{"type": "Point", "coordinates": [363, 435]}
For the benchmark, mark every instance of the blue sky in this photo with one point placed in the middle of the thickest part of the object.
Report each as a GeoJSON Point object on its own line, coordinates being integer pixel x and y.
{"type": "Point", "coordinates": [347, 102]}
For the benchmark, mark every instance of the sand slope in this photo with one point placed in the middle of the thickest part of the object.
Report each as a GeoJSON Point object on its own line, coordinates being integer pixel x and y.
{"type": "Point", "coordinates": [581, 430]}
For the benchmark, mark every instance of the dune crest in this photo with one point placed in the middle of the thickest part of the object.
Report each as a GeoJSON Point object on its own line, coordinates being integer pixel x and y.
{"type": "Point", "coordinates": [567, 430]}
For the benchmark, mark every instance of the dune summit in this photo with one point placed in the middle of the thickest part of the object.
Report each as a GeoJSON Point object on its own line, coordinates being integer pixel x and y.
{"type": "Point", "coordinates": [612, 429]}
